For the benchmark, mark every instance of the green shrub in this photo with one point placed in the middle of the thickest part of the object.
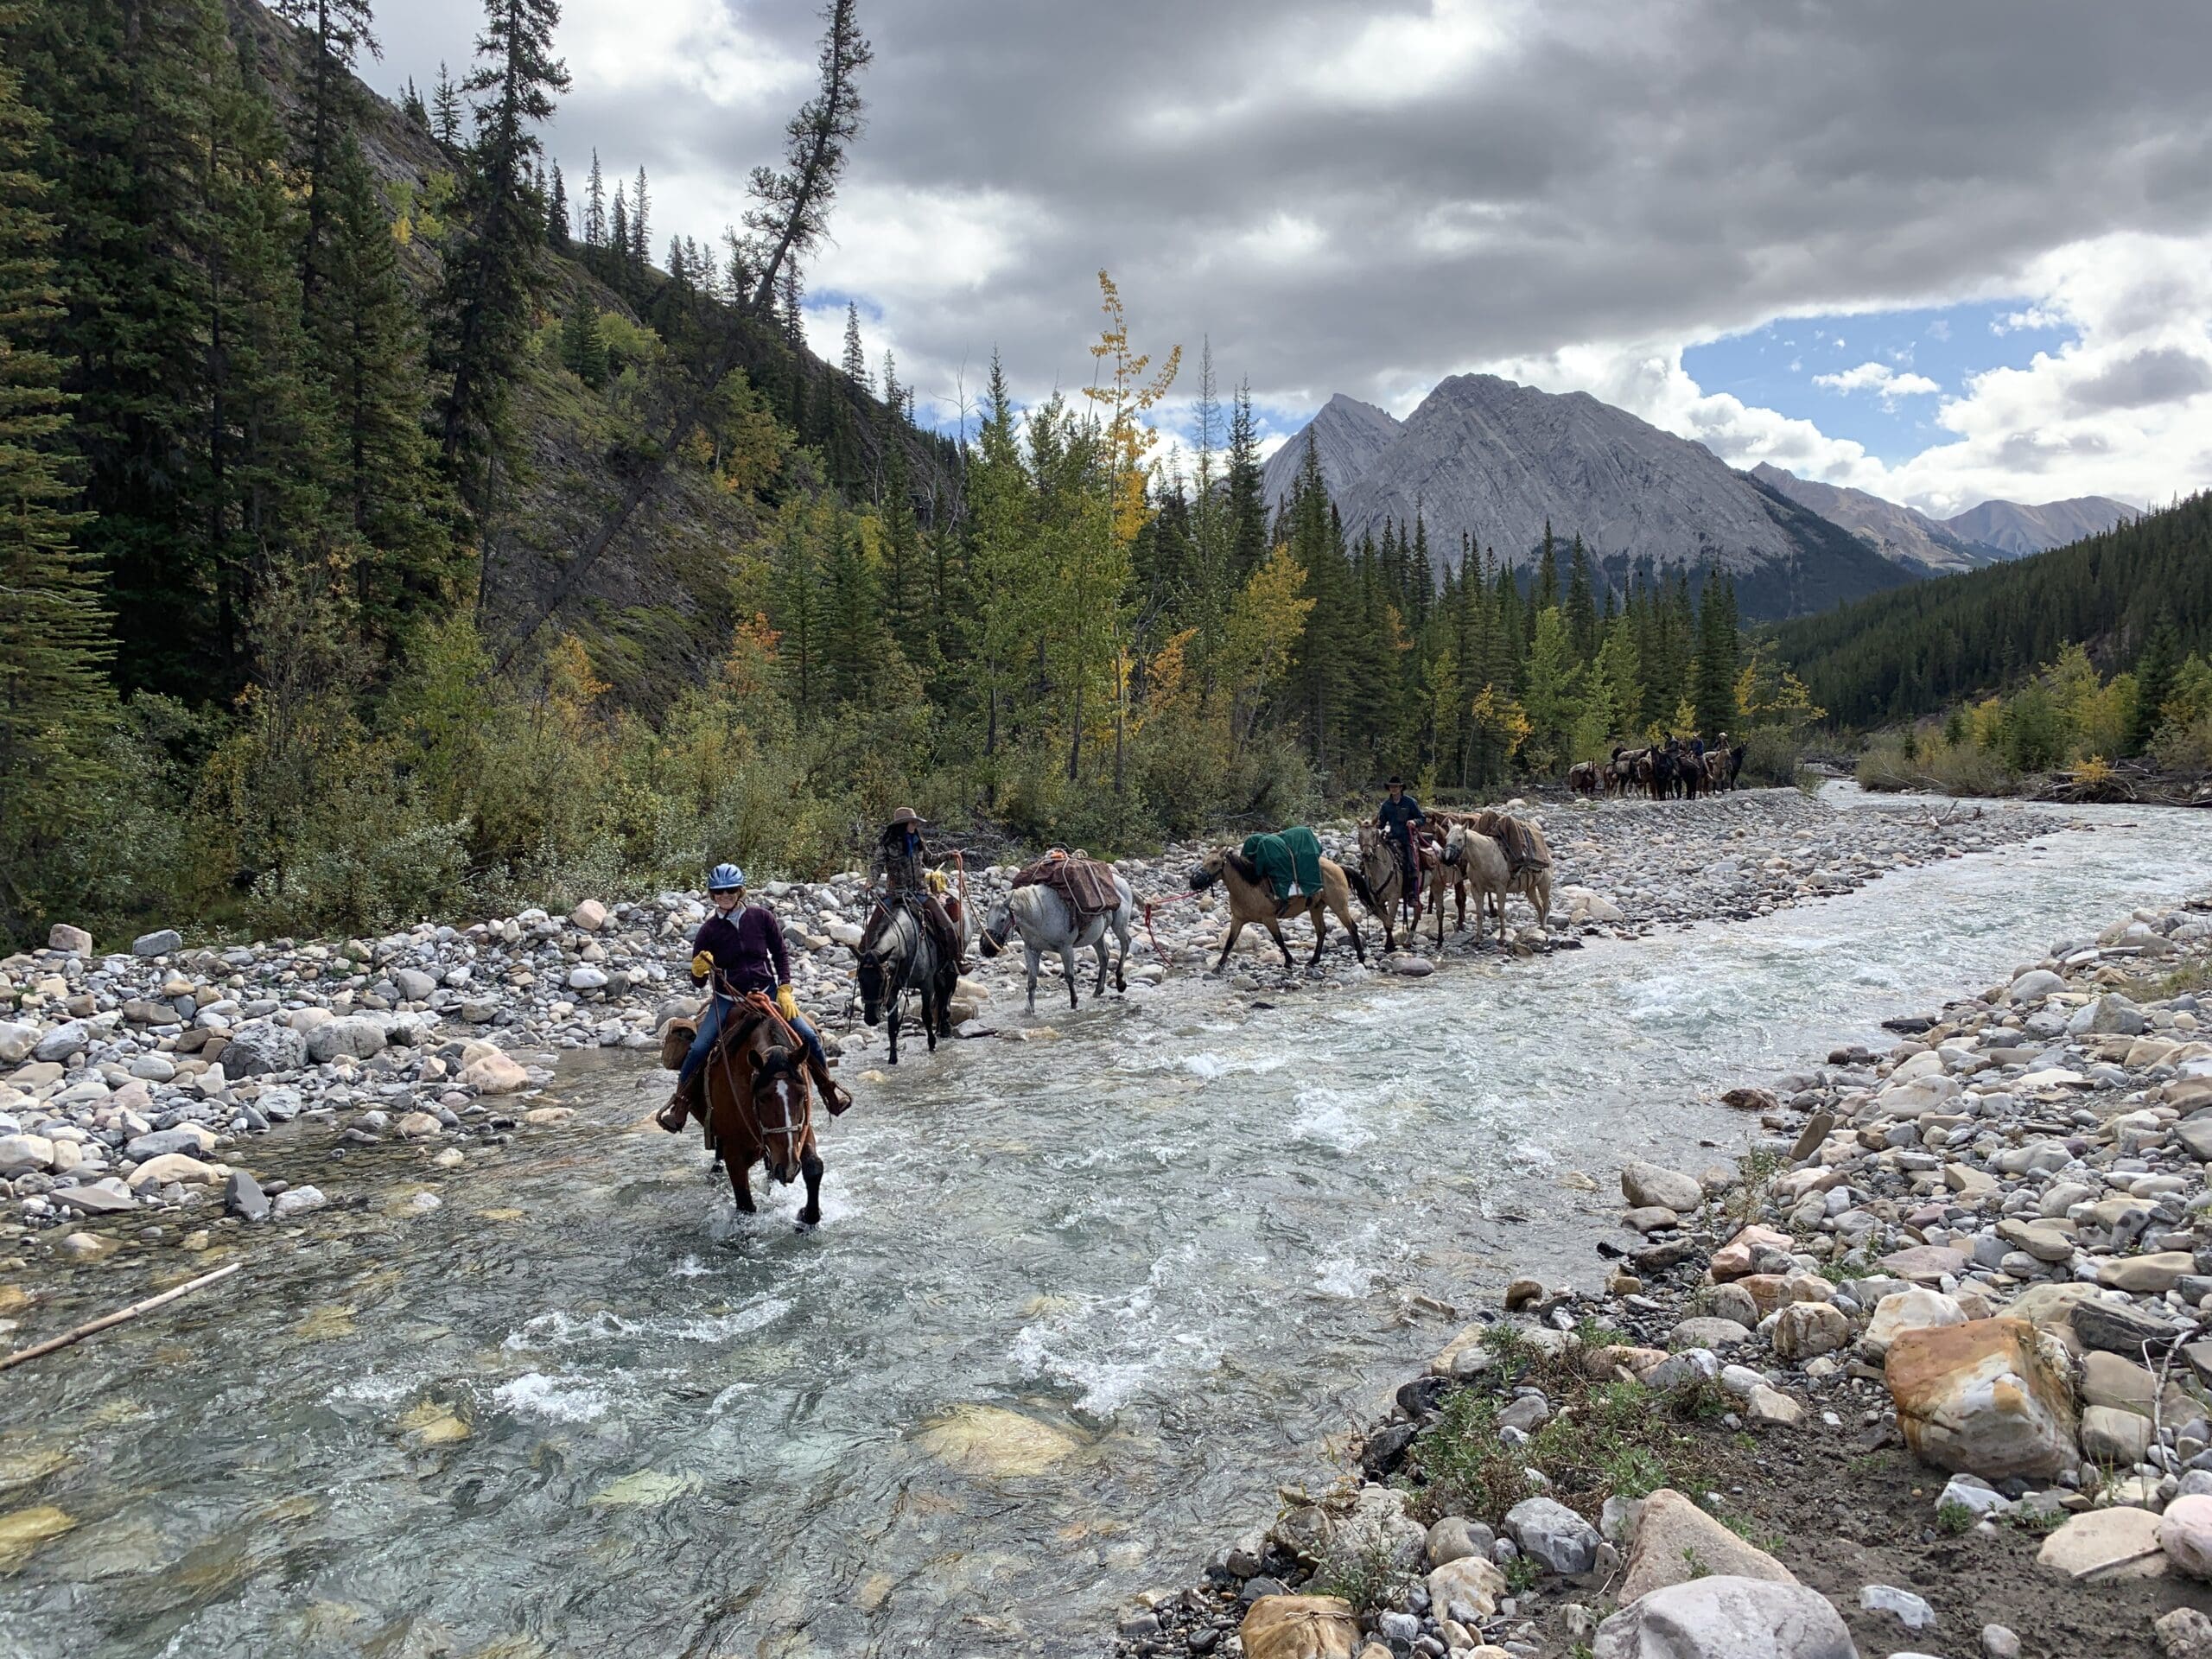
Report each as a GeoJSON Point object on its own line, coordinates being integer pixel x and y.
{"type": "Point", "coordinates": [1772, 754]}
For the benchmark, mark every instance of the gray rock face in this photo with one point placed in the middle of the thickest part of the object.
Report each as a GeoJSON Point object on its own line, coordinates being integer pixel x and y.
{"type": "Point", "coordinates": [1726, 1618]}
{"type": "Point", "coordinates": [1899, 534]}
{"type": "Point", "coordinates": [63, 1041]}
{"type": "Point", "coordinates": [356, 1035]}
{"type": "Point", "coordinates": [2018, 530]}
{"type": "Point", "coordinates": [243, 1197]}
{"type": "Point", "coordinates": [1347, 435]}
{"type": "Point", "coordinates": [262, 1046]}
{"type": "Point", "coordinates": [157, 943]}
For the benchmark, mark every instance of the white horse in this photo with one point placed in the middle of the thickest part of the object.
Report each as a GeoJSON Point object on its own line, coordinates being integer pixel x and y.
{"type": "Point", "coordinates": [1045, 922]}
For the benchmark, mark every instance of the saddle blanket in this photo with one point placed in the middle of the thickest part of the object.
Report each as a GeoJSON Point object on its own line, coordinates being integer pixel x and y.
{"type": "Point", "coordinates": [1084, 885]}
{"type": "Point", "coordinates": [1290, 861]}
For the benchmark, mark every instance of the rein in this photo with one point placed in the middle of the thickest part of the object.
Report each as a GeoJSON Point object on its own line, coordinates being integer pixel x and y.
{"type": "Point", "coordinates": [764, 1012]}
{"type": "Point", "coordinates": [1149, 904]}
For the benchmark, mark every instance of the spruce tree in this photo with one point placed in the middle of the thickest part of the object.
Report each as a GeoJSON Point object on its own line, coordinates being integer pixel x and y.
{"type": "Point", "coordinates": [792, 213]}
{"type": "Point", "coordinates": [337, 32]}
{"type": "Point", "coordinates": [583, 346]}
{"type": "Point", "coordinates": [2154, 681]}
{"type": "Point", "coordinates": [640, 251]}
{"type": "Point", "coordinates": [53, 636]}
{"type": "Point", "coordinates": [853, 648]}
{"type": "Point", "coordinates": [855, 359]}
{"type": "Point", "coordinates": [618, 230]}
{"type": "Point", "coordinates": [556, 213]}
{"type": "Point", "coordinates": [595, 207]}
{"type": "Point", "coordinates": [1581, 606]}
{"type": "Point", "coordinates": [1248, 510]}
{"type": "Point", "coordinates": [411, 106]}
{"type": "Point", "coordinates": [445, 110]}
{"type": "Point", "coordinates": [1713, 688]}
{"type": "Point", "coordinates": [492, 279]}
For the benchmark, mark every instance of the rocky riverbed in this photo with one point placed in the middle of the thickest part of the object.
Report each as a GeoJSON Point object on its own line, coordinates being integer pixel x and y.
{"type": "Point", "coordinates": [1927, 1370]}
{"type": "Point", "coordinates": [138, 1079]}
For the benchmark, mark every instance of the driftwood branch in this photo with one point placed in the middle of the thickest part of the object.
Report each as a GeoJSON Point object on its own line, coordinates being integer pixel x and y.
{"type": "Point", "coordinates": [120, 1316]}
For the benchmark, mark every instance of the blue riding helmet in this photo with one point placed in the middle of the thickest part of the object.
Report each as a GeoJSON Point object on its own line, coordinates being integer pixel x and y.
{"type": "Point", "coordinates": [725, 878]}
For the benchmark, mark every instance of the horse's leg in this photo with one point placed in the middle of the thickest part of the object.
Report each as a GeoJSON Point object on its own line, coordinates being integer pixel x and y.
{"type": "Point", "coordinates": [1067, 972]}
{"type": "Point", "coordinates": [1036, 961]}
{"type": "Point", "coordinates": [1121, 955]}
{"type": "Point", "coordinates": [740, 1180]}
{"type": "Point", "coordinates": [1098, 945]}
{"type": "Point", "coordinates": [1281, 945]}
{"type": "Point", "coordinates": [891, 1025]}
{"type": "Point", "coordinates": [810, 1166]}
{"type": "Point", "coordinates": [1236, 926]}
{"type": "Point", "coordinates": [1351, 927]}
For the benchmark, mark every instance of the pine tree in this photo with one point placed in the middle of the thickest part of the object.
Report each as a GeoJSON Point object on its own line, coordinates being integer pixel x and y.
{"type": "Point", "coordinates": [1420, 575]}
{"type": "Point", "coordinates": [490, 282]}
{"type": "Point", "coordinates": [556, 213]}
{"type": "Point", "coordinates": [445, 110]}
{"type": "Point", "coordinates": [337, 32]}
{"type": "Point", "coordinates": [595, 207]}
{"type": "Point", "coordinates": [638, 251]}
{"type": "Point", "coordinates": [2154, 681]}
{"type": "Point", "coordinates": [411, 106]}
{"type": "Point", "coordinates": [583, 346]}
{"type": "Point", "coordinates": [1713, 687]}
{"type": "Point", "coordinates": [1581, 606]}
{"type": "Point", "coordinates": [53, 636]}
{"type": "Point", "coordinates": [855, 359]}
{"type": "Point", "coordinates": [617, 228]}
{"type": "Point", "coordinates": [853, 648]}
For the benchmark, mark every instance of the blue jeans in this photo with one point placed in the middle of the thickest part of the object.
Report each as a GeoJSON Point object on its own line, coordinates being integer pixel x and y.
{"type": "Point", "coordinates": [710, 1030]}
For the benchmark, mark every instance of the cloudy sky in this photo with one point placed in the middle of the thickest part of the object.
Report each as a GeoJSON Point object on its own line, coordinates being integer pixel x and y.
{"type": "Point", "coordinates": [1944, 249]}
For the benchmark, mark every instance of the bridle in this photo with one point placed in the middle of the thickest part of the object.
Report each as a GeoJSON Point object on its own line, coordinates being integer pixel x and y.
{"type": "Point", "coordinates": [779, 1062]}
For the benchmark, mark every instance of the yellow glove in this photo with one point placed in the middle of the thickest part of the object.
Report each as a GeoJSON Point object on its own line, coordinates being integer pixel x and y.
{"type": "Point", "coordinates": [937, 882]}
{"type": "Point", "coordinates": [787, 1004]}
{"type": "Point", "coordinates": [701, 965]}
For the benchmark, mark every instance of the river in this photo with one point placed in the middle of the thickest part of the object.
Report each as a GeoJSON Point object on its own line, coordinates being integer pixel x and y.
{"type": "Point", "coordinates": [1079, 1305]}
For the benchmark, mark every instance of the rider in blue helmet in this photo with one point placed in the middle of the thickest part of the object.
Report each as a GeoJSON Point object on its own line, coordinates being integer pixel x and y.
{"type": "Point", "coordinates": [737, 951]}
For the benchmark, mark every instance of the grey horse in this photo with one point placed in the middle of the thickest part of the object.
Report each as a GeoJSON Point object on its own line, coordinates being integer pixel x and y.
{"type": "Point", "coordinates": [1045, 922]}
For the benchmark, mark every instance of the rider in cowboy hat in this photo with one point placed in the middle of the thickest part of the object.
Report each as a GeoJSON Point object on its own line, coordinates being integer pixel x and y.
{"type": "Point", "coordinates": [740, 950]}
{"type": "Point", "coordinates": [1396, 818]}
{"type": "Point", "coordinates": [900, 857]}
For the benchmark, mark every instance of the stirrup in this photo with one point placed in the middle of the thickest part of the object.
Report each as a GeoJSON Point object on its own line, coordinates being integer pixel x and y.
{"type": "Point", "coordinates": [677, 1108]}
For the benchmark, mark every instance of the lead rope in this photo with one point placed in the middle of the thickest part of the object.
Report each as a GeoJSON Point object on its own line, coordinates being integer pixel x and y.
{"type": "Point", "coordinates": [1149, 904]}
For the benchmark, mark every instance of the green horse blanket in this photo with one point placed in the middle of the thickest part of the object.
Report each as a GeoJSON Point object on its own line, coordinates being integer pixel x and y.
{"type": "Point", "coordinates": [1290, 859]}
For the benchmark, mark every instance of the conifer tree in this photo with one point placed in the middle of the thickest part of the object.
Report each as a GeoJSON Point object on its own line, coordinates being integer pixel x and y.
{"type": "Point", "coordinates": [490, 282]}
{"type": "Point", "coordinates": [853, 648]}
{"type": "Point", "coordinates": [445, 110]}
{"type": "Point", "coordinates": [53, 636]}
{"type": "Point", "coordinates": [337, 32]}
{"type": "Point", "coordinates": [1248, 512]}
{"type": "Point", "coordinates": [583, 345]}
{"type": "Point", "coordinates": [640, 251]}
{"type": "Point", "coordinates": [556, 213]}
{"type": "Point", "coordinates": [595, 207]}
{"type": "Point", "coordinates": [1581, 606]}
{"type": "Point", "coordinates": [855, 359]}
{"type": "Point", "coordinates": [791, 213]}
{"type": "Point", "coordinates": [1712, 688]}
{"type": "Point", "coordinates": [618, 229]}
{"type": "Point", "coordinates": [411, 106]}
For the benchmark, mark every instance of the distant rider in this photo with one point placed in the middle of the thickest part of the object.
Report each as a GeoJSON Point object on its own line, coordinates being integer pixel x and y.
{"type": "Point", "coordinates": [738, 950]}
{"type": "Point", "coordinates": [1398, 817]}
{"type": "Point", "coordinates": [901, 856]}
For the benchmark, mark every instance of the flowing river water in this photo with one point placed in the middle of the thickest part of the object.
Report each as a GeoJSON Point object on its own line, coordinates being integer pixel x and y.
{"type": "Point", "coordinates": [1079, 1305]}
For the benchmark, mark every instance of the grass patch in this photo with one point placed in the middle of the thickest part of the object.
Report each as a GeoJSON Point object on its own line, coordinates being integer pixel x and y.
{"type": "Point", "coordinates": [1522, 1574]}
{"type": "Point", "coordinates": [1956, 1517]}
{"type": "Point", "coordinates": [1603, 1440]}
{"type": "Point", "coordinates": [1366, 1578]}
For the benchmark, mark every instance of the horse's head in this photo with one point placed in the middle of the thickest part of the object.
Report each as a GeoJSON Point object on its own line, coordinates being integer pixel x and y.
{"type": "Point", "coordinates": [780, 1110]}
{"type": "Point", "coordinates": [675, 1039]}
{"type": "Point", "coordinates": [998, 927]}
{"type": "Point", "coordinates": [1455, 843]}
{"type": "Point", "coordinates": [1208, 870]}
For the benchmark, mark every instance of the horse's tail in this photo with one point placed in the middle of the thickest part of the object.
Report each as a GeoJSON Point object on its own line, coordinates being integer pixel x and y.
{"type": "Point", "coordinates": [1366, 893]}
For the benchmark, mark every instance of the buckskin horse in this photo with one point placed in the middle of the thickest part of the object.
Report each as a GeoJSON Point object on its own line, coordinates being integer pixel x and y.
{"type": "Point", "coordinates": [1474, 860]}
{"type": "Point", "coordinates": [897, 954]}
{"type": "Point", "coordinates": [1047, 921]}
{"type": "Point", "coordinates": [1250, 901]}
{"type": "Point", "coordinates": [759, 1108]}
{"type": "Point", "coordinates": [1383, 887]}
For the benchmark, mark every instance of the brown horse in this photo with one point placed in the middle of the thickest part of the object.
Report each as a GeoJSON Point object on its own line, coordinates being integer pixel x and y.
{"type": "Point", "coordinates": [1250, 901]}
{"type": "Point", "coordinates": [760, 1109]}
{"type": "Point", "coordinates": [1583, 777]}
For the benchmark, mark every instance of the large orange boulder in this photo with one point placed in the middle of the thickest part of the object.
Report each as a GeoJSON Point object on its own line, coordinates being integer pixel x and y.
{"type": "Point", "coordinates": [1991, 1397]}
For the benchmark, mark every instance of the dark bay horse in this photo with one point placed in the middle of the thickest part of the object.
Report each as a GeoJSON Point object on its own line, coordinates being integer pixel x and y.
{"type": "Point", "coordinates": [759, 1106]}
{"type": "Point", "coordinates": [898, 954]}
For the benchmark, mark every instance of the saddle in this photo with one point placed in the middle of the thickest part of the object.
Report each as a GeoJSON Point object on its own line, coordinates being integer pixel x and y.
{"type": "Point", "coordinates": [1084, 886]}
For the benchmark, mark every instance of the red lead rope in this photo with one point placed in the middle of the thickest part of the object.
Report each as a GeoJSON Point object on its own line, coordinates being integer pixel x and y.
{"type": "Point", "coordinates": [1149, 904]}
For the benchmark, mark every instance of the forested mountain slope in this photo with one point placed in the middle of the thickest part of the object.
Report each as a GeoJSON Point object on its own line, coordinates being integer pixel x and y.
{"type": "Point", "coordinates": [1922, 648]}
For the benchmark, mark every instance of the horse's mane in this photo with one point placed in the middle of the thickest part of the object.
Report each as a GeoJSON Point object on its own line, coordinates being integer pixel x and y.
{"type": "Point", "coordinates": [1245, 868]}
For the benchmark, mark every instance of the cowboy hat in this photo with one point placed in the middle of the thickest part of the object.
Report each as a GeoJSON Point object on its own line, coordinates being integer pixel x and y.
{"type": "Point", "coordinates": [907, 814]}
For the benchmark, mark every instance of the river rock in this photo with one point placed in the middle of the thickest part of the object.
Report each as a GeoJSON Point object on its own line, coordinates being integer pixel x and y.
{"type": "Point", "coordinates": [590, 916]}
{"type": "Point", "coordinates": [2185, 1633]}
{"type": "Point", "coordinates": [73, 940]}
{"type": "Point", "coordinates": [105, 1197]}
{"type": "Point", "coordinates": [2185, 1533]}
{"type": "Point", "coordinates": [261, 1046]}
{"type": "Point", "coordinates": [17, 1041]}
{"type": "Point", "coordinates": [1298, 1627]}
{"type": "Point", "coordinates": [494, 1074]}
{"type": "Point", "coordinates": [160, 943]}
{"type": "Point", "coordinates": [2121, 1543]}
{"type": "Point", "coordinates": [1467, 1590]}
{"type": "Point", "coordinates": [22, 1154]}
{"type": "Point", "coordinates": [1648, 1185]}
{"type": "Point", "coordinates": [2154, 1273]}
{"type": "Point", "coordinates": [193, 1138]}
{"type": "Point", "coordinates": [243, 1197]}
{"type": "Point", "coordinates": [356, 1035]}
{"type": "Point", "coordinates": [1806, 1330]}
{"type": "Point", "coordinates": [585, 978]}
{"type": "Point", "coordinates": [1548, 1532]}
{"type": "Point", "coordinates": [414, 985]}
{"type": "Point", "coordinates": [157, 1173]}
{"type": "Point", "coordinates": [2033, 986]}
{"type": "Point", "coordinates": [1454, 1538]}
{"type": "Point", "coordinates": [70, 1038]}
{"type": "Point", "coordinates": [1992, 1397]}
{"type": "Point", "coordinates": [1908, 1310]}
{"type": "Point", "coordinates": [297, 1201]}
{"type": "Point", "coordinates": [1734, 1259]}
{"type": "Point", "coordinates": [1726, 1616]}
{"type": "Point", "coordinates": [1676, 1541]}
{"type": "Point", "coordinates": [2109, 1435]}
{"type": "Point", "coordinates": [1908, 1610]}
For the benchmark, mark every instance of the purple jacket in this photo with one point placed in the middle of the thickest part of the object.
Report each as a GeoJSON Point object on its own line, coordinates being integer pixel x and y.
{"type": "Point", "coordinates": [747, 954]}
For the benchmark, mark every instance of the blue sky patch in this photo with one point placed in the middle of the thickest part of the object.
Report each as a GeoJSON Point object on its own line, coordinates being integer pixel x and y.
{"type": "Point", "coordinates": [1781, 367]}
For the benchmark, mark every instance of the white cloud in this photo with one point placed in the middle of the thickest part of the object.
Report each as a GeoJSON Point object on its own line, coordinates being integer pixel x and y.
{"type": "Point", "coordinates": [1882, 380]}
